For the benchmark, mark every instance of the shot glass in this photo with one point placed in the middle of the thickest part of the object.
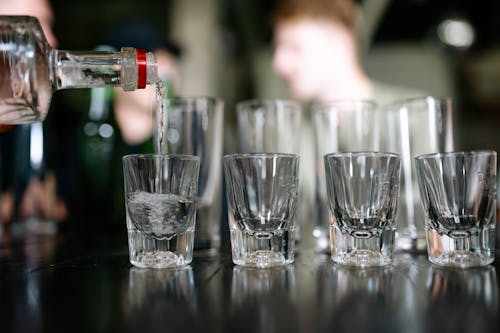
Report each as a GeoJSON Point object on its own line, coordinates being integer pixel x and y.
{"type": "Point", "coordinates": [362, 189]}
{"type": "Point", "coordinates": [160, 201]}
{"type": "Point", "coordinates": [262, 194]}
{"type": "Point", "coordinates": [458, 192]}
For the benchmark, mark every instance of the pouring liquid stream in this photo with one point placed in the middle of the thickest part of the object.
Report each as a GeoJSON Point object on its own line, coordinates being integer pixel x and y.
{"type": "Point", "coordinates": [161, 122]}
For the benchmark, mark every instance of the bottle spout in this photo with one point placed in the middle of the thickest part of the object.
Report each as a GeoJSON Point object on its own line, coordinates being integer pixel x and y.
{"type": "Point", "coordinates": [151, 68]}
{"type": "Point", "coordinates": [140, 71]}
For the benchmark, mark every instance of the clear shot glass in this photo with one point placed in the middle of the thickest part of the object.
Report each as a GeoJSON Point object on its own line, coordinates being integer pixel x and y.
{"type": "Point", "coordinates": [458, 192]}
{"type": "Point", "coordinates": [160, 201]}
{"type": "Point", "coordinates": [262, 194]}
{"type": "Point", "coordinates": [362, 190]}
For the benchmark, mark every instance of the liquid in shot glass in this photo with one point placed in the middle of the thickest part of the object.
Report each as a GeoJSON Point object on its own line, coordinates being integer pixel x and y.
{"type": "Point", "coordinates": [160, 200]}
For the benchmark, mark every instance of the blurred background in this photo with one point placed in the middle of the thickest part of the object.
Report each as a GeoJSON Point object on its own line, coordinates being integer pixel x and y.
{"type": "Point", "coordinates": [443, 47]}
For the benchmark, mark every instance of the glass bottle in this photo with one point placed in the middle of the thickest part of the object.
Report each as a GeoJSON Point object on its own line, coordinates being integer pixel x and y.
{"type": "Point", "coordinates": [31, 70]}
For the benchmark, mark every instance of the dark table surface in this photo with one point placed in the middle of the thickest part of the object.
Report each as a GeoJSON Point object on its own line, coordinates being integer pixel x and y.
{"type": "Point", "coordinates": [83, 282]}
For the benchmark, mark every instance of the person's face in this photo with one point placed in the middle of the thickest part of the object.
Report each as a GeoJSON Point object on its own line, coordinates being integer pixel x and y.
{"type": "Point", "coordinates": [43, 12]}
{"type": "Point", "coordinates": [308, 55]}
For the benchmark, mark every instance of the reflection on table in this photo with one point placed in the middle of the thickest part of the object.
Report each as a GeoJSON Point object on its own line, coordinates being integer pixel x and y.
{"type": "Point", "coordinates": [268, 295]}
{"type": "Point", "coordinates": [468, 299]}
{"type": "Point", "coordinates": [87, 283]}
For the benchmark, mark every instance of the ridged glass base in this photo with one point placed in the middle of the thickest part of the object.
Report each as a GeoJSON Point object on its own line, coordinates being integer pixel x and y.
{"type": "Point", "coordinates": [362, 252]}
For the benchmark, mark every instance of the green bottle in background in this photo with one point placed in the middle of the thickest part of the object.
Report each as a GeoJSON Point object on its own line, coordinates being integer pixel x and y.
{"type": "Point", "coordinates": [99, 145]}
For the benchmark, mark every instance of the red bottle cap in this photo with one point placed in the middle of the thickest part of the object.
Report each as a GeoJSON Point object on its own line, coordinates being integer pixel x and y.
{"type": "Point", "coordinates": [141, 69]}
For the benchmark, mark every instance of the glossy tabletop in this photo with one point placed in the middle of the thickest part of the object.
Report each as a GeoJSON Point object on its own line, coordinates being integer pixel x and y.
{"type": "Point", "coordinates": [76, 282]}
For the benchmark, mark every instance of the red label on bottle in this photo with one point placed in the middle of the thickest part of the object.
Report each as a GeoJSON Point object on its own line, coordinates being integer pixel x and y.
{"type": "Point", "coordinates": [141, 69]}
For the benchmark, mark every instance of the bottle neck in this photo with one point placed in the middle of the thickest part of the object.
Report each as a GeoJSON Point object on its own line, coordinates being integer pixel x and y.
{"type": "Point", "coordinates": [129, 68]}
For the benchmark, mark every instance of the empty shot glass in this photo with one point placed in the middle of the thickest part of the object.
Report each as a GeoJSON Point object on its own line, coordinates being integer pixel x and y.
{"type": "Point", "coordinates": [362, 189]}
{"type": "Point", "coordinates": [160, 201]}
{"type": "Point", "coordinates": [458, 192]}
{"type": "Point", "coordinates": [262, 194]}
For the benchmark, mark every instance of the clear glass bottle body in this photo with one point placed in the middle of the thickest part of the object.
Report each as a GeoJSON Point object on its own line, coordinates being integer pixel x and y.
{"type": "Point", "coordinates": [31, 70]}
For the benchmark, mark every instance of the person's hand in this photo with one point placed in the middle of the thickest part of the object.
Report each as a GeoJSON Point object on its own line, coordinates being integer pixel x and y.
{"type": "Point", "coordinates": [6, 206]}
{"type": "Point", "coordinates": [5, 128]}
{"type": "Point", "coordinates": [134, 114]}
{"type": "Point", "coordinates": [40, 199]}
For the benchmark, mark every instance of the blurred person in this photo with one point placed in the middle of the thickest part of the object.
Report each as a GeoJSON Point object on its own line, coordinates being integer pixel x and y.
{"type": "Point", "coordinates": [32, 194]}
{"type": "Point", "coordinates": [316, 53]}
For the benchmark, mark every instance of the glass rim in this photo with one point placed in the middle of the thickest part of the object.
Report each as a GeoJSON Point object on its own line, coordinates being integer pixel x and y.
{"type": "Point", "coordinates": [424, 98]}
{"type": "Point", "coordinates": [192, 98]}
{"type": "Point", "coordinates": [262, 101]}
{"type": "Point", "coordinates": [367, 153]}
{"type": "Point", "coordinates": [260, 155]}
{"type": "Point", "coordinates": [181, 157]}
{"type": "Point", "coordinates": [326, 105]}
{"type": "Point", "coordinates": [486, 152]}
